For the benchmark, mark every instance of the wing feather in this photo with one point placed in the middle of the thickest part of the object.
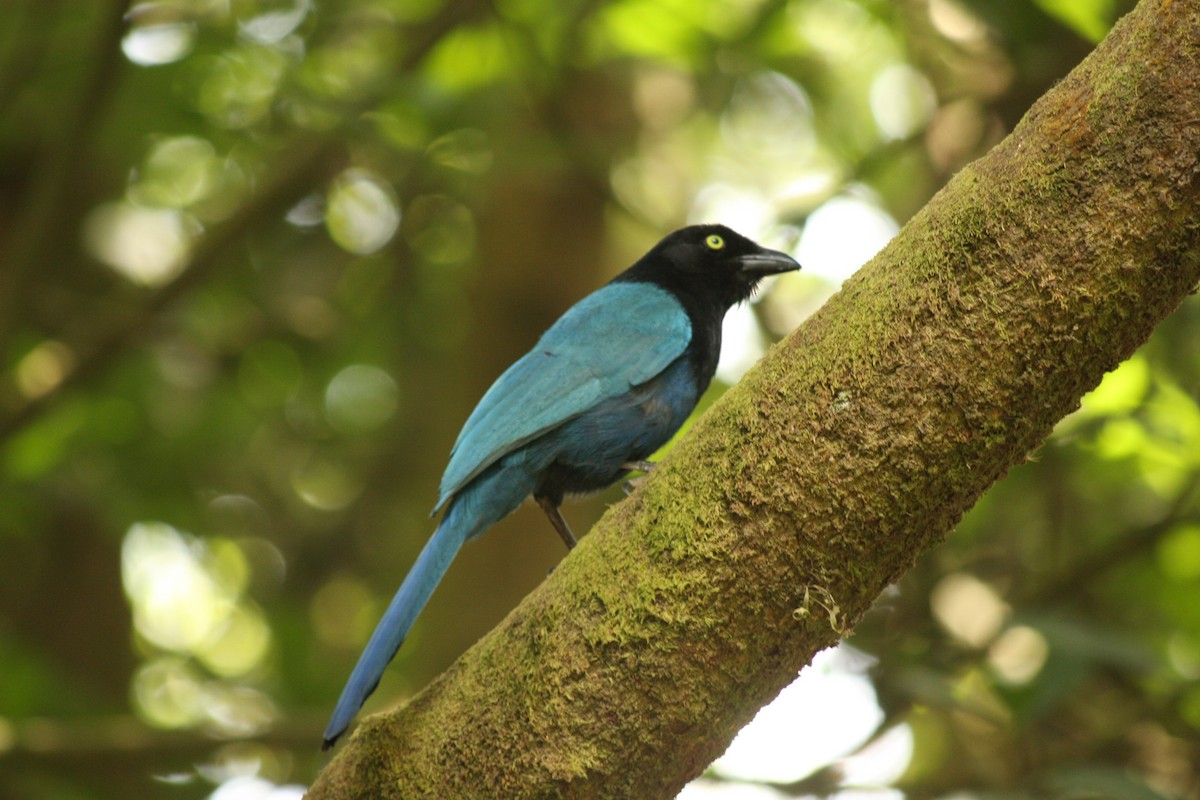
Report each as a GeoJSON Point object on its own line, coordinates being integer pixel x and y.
{"type": "Point", "coordinates": [619, 336]}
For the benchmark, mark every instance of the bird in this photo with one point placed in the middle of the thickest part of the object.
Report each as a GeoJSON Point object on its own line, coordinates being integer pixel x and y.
{"type": "Point", "coordinates": [603, 389]}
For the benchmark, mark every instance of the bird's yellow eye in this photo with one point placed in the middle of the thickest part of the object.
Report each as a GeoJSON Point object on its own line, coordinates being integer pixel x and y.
{"type": "Point", "coordinates": [714, 242]}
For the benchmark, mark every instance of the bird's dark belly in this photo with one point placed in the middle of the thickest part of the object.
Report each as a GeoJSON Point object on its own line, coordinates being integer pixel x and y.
{"type": "Point", "coordinates": [590, 449]}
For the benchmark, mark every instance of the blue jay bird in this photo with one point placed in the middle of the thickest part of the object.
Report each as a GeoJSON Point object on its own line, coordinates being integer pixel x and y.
{"type": "Point", "coordinates": [607, 385]}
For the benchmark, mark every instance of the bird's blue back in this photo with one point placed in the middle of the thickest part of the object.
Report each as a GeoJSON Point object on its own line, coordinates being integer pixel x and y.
{"type": "Point", "coordinates": [620, 336]}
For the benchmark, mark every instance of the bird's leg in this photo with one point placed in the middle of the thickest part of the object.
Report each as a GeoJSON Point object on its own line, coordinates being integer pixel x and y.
{"type": "Point", "coordinates": [637, 466]}
{"type": "Point", "coordinates": [556, 519]}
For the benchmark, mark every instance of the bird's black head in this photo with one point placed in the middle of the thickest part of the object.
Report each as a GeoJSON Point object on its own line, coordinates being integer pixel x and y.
{"type": "Point", "coordinates": [709, 262]}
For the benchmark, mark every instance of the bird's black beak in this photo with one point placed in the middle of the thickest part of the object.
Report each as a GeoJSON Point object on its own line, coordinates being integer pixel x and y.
{"type": "Point", "coordinates": [767, 262]}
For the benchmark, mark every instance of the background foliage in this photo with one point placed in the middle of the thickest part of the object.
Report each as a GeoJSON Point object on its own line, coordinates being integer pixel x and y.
{"type": "Point", "coordinates": [259, 258]}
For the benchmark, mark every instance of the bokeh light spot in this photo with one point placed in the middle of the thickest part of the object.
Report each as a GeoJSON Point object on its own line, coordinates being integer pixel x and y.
{"type": "Point", "coordinates": [360, 399]}
{"type": "Point", "coordinates": [153, 45]}
{"type": "Point", "coordinates": [778, 744]}
{"type": "Point", "coordinates": [272, 26]}
{"type": "Point", "coordinates": [361, 212]}
{"type": "Point", "coordinates": [1183, 654]}
{"type": "Point", "coordinates": [955, 22]}
{"type": "Point", "coordinates": [902, 101]}
{"type": "Point", "coordinates": [176, 603]}
{"type": "Point", "coordinates": [743, 343]}
{"type": "Point", "coordinates": [43, 368]}
{"type": "Point", "coordinates": [240, 644]}
{"type": "Point", "coordinates": [177, 172]}
{"type": "Point", "coordinates": [466, 150]}
{"type": "Point", "coordinates": [308, 212]}
{"type": "Point", "coordinates": [1019, 654]}
{"type": "Point", "coordinates": [969, 609]}
{"type": "Point", "coordinates": [248, 787]}
{"type": "Point", "coordinates": [241, 85]}
{"type": "Point", "coordinates": [147, 246]}
{"type": "Point", "coordinates": [842, 235]}
{"type": "Point", "coordinates": [237, 710]}
{"type": "Point", "coordinates": [325, 485]}
{"type": "Point", "coordinates": [311, 316]}
{"type": "Point", "coordinates": [741, 208]}
{"type": "Point", "coordinates": [167, 693]}
{"type": "Point", "coordinates": [770, 114]}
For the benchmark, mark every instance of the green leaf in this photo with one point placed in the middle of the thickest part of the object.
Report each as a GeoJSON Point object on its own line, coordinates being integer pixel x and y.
{"type": "Point", "coordinates": [1091, 19]}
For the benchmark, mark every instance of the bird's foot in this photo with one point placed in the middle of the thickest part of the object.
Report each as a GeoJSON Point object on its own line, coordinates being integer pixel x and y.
{"type": "Point", "coordinates": [631, 485]}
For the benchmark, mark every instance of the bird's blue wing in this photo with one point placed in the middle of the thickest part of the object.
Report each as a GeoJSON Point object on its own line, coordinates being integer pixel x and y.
{"type": "Point", "coordinates": [619, 336]}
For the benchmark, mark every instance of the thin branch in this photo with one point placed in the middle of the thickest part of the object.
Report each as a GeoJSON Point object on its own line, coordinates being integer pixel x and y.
{"type": "Point", "coordinates": [60, 741]}
{"type": "Point", "coordinates": [62, 152]}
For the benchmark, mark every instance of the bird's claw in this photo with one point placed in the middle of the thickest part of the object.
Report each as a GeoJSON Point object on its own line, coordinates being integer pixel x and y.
{"type": "Point", "coordinates": [629, 486]}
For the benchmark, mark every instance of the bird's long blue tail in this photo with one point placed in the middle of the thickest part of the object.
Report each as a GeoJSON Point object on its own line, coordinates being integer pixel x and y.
{"type": "Point", "coordinates": [389, 634]}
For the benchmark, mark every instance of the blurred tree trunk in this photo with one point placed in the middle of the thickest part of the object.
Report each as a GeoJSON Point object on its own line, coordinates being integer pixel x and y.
{"type": "Point", "coordinates": [855, 445]}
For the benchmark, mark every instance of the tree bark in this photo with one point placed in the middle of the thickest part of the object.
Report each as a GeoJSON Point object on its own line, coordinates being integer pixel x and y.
{"type": "Point", "coordinates": [854, 446]}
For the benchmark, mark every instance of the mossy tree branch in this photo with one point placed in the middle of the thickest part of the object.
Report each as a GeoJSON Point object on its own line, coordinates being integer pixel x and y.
{"type": "Point", "coordinates": [852, 448]}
